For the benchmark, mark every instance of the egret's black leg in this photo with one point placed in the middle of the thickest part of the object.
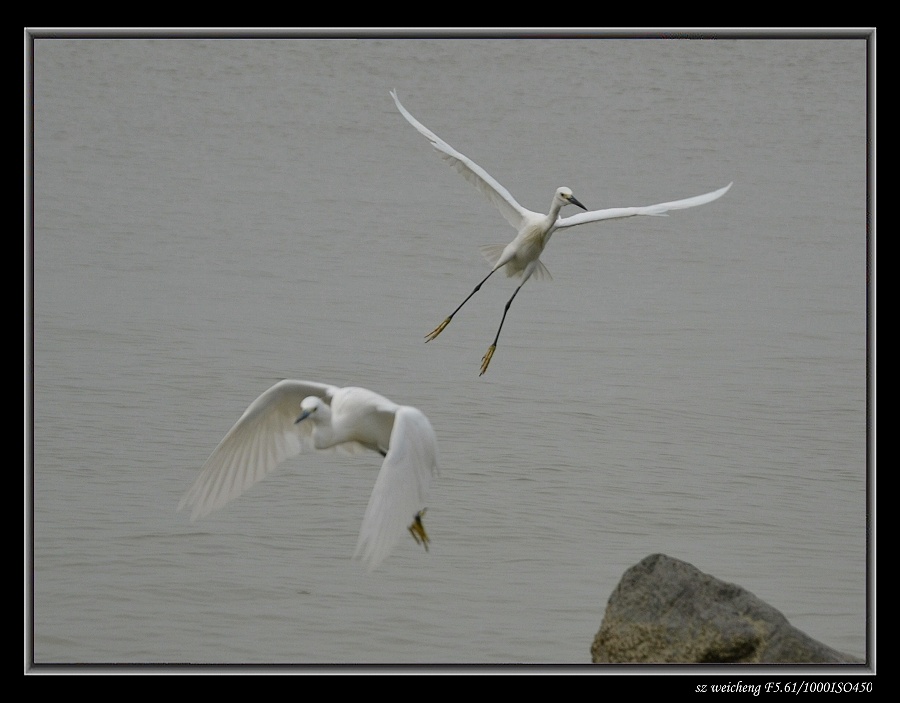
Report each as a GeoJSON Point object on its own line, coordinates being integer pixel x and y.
{"type": "Point", "coordinates": [490, 352]}
{"type": "Point", "coordinates": [440, 328]}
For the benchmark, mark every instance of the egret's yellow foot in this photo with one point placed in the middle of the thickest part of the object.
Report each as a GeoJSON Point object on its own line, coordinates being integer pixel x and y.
{"type": "Point", "coordinates": [437, 330]}
{"type": "Point", "coordinates": [487, 358]}
{"type": "Point", "coordinates": [417, 529]}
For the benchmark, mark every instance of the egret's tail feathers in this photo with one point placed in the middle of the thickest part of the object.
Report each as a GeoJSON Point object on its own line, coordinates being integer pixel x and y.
{"type": "Point", "coordinates": [492, 253]}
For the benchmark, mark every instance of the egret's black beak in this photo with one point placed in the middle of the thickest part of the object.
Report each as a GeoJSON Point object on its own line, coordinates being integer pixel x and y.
{"type": "Point", "coordinates": [302, 417]}
{"type": "Point", "coordinates": [574, 201]}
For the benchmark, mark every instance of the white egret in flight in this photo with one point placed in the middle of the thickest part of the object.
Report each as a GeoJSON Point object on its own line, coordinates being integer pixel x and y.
{"type": "Point", "coordinates": [295, 415]}
{"type": "Point", "coordinates": [521, 256]}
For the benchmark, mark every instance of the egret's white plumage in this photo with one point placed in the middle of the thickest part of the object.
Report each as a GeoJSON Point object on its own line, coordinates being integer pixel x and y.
{"type": "Point", "coordinates": [521, 256]}
{"type": "Point", "coordinates": [295, 415]}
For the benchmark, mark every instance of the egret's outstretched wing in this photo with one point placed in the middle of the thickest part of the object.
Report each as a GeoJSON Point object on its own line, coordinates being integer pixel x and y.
{"type": "Point", "coordinates": [658, 209]}
{"type": "Point", "coordinates": [401, 488]}
{"type": "Point", "coordinates": [472, 172]}
{"type": "Point", "coordinates": [264, 436]}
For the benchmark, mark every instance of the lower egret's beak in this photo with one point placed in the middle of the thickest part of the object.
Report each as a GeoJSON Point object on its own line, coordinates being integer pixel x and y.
{"type": "Point", "coordinates": [302, 417]}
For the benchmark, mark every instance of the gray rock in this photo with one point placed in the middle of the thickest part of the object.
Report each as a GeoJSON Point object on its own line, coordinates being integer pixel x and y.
{"type": "Point", "coordinates": [665, 610]}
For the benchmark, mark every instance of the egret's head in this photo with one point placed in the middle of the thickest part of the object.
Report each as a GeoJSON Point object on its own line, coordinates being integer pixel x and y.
{"type": "Point", "coordinates": [308, 407]}
{"type": "Point", "coordinates": [565, 194]}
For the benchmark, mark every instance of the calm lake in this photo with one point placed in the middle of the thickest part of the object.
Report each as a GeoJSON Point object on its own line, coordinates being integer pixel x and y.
{"type": "Point", "coordinates": [212, 215]}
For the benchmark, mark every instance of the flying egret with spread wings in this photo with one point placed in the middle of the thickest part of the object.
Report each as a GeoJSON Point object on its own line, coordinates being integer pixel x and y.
{"type": "Point", "coordinates": [292, 416]}
{"type": "Point", "coordinates": [521, 256]}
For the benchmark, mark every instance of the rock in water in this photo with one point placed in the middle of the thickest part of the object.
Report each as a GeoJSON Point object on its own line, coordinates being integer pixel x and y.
{"type": "Point", "coordinates": [666, 610]}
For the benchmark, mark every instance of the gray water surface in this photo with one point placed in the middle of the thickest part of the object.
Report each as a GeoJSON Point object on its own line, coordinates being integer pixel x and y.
{"type": "Point", "coordinates": [213, 215]}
